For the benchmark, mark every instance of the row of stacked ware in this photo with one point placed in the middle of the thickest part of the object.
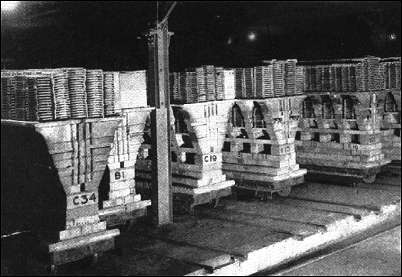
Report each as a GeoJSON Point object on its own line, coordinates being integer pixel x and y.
{"type": "Point", "coordinates": [347, 75]}
{"type": "Point", "coordinates": [206, 83]}
{"type": "Point", "coordinates": [276, 78]}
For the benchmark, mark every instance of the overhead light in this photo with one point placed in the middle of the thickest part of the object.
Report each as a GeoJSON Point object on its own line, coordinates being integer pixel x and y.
{"type": "Point", "coordinates": [251, 36]}
{"type": "Point", "coordinates": [392, 36]}
{"type": "Point", "coordinates": [9, 5]}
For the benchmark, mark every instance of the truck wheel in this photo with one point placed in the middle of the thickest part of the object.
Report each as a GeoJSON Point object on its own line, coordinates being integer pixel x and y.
{"type": "Point", "coordinates": [369, 179]}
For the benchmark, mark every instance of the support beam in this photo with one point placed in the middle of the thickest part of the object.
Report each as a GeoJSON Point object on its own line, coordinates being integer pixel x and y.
{"type": "Point", "coordinates": [158, 97]}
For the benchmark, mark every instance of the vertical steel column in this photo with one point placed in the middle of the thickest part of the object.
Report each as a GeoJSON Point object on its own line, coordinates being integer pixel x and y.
{"type": "Point", "coordinates": [158, 97]}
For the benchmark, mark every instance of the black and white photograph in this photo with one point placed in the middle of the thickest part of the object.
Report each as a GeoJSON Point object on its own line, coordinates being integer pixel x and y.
{"type": "Point", "coordinates": [208, 138]}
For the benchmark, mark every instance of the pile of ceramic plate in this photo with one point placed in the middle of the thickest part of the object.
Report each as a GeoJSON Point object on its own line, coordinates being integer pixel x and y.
{"type": "Point", "coordinates": [290, 77]}
{"type": "Point", "coordinates": [219, 83]}
{"type": "Point", "coordinates": [239, 77]}
{"type": "Point", "coordinates": [21, 105]}
{"type": "Point", "coordinates": [300, 80]}
{"type": "Point", "coordinates": [191, 87]}
{"type": "Point", "coordinates": [61, 95]}
{"type": "Point", "coordinates": [279, 80]}
{"type": "Point", "coordinates": [94, 86]}
{"type": "Point", "coordinates": [4, 100]}
{"type": "Point", "coordinates": [209, 72]}
{"type": "Point", "coordinates": [108, 86]}
{"type": "Point", "coordinates": [45, 97]}
{"type": "Point", "coordinates": [201, 85]}
{"type": "Point", "coordinates": [32, 102]}
{"type": "Point", "coordinates": [77, 92]}
{"type": "Point", "coordinates": [248, 83]}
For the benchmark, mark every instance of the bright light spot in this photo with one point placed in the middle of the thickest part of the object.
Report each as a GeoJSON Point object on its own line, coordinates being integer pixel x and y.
{"type": "Point", "coordinates": [252, 36]}
{"type": "Point", "coordinates": [9, 5]}
{"type": "Point", "coordinates": [229, 41]}
{"type": "Point", "coordinates": [392, 36]}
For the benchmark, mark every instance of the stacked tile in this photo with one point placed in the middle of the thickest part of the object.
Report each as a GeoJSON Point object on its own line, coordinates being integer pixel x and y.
{"type": "Point", "coordinates": [210, 82]}
{"type": "Point", "coordinates": [182, 86]}
{"type": "Point", "coordinates": [77, 92]}
{"type": "Point", "coordinates": [201, 84]}
{"type": "Point", "coordinates": [191, 87]}
{"type": "Point", "coordinates": [239, 79]}
{"type": "Point", "coordinates": [374, 73]}
{"type": "Point", "coordinates": [4, 99]}
{"type": "Point", "coordinates": [175, 90]}
{"type": "Point", "coordinates": [318, 78]}
{"type": "Point", "coordinates": [307, 78]}
{"type": "Point", "coordinates": [219, 83]}
{"type": "Point", "coordinates": [108, 92]}
{"type": "Point", "coordinates": [300, 72]}
{"type": "Point", "coordinates": [94, 86]}
{"type": "Point", "coordinates": [45, 97]}
{"type": "Point", "coordinates": [249, 91]}
{"type": "Point", "coordinates": [229, 84]}
{"type": "Point", "coordinates": [279, 80]}
{"type": "Point", "coordinates": [61, 94]}
{"type": "Point", "coordinates": [345, 78]}
{"type": "Point", "coordinates": [11, 94]}
{"type": "Point", "coordinates": [32, 101]}
{"type": "Point", "coordinates": [392, 74]}
{"type": "Point", "coordinates": [290, 77]}
{"type": "Point", "coordinates": [352, 78]}
{"type": "Point", "coordinates": [264, 81]}
{"type": "Point", "coordinates": [20, 97]}
{"type": "Point", "coordinates": [133, 89]}
{"type": "Point", "coordinates": [326, 83]}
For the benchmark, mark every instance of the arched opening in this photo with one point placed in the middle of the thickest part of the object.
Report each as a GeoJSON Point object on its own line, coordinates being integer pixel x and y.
{"type": "Point", "coordinates": [308, 108]}
{"type": "Point", "coordinates": [327, 108]}
{"type": "Point", "coordinates": [180, 124]}
{"type": "Point", "coordinates": [237, 117]}
{"type": "Point", "coordinates": [390, 103]}
{"type": "Point", "coordinates": [348, 108]}
{"type": "Point", "coordinates": [258, 118]}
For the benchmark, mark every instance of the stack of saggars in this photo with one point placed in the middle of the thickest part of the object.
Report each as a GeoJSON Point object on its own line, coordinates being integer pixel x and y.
{"type": "Point", "coordinates": [94, 89]}
{"type": "Point", "coordinates": [391, 67]}
{"type": "Point", "coordinates": [111, 87]}
{"type": "Point", "coordinates": [77, 92]}
{"type": "Point", "coordinates": [21, 98]}
{"type": "Point", "coordinates": [259, 150]}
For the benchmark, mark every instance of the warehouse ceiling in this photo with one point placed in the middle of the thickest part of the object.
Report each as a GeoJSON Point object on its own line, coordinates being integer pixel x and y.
{"type": "Point", "coordinates": [109, 34]}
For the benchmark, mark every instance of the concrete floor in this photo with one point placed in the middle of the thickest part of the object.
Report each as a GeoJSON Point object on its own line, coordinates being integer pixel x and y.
{"type": "Point", "coordinates": [379, 256]}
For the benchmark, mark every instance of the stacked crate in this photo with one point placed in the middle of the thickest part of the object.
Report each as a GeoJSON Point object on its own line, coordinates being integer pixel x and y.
{"type": "Point", "coordinates": [197, 139]}
{"type": "Point", "coordinates": [259, 151]}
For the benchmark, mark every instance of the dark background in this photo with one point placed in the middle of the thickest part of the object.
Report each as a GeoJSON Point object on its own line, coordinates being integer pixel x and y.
{"type": "Point", "coordinates": [108, 35]}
